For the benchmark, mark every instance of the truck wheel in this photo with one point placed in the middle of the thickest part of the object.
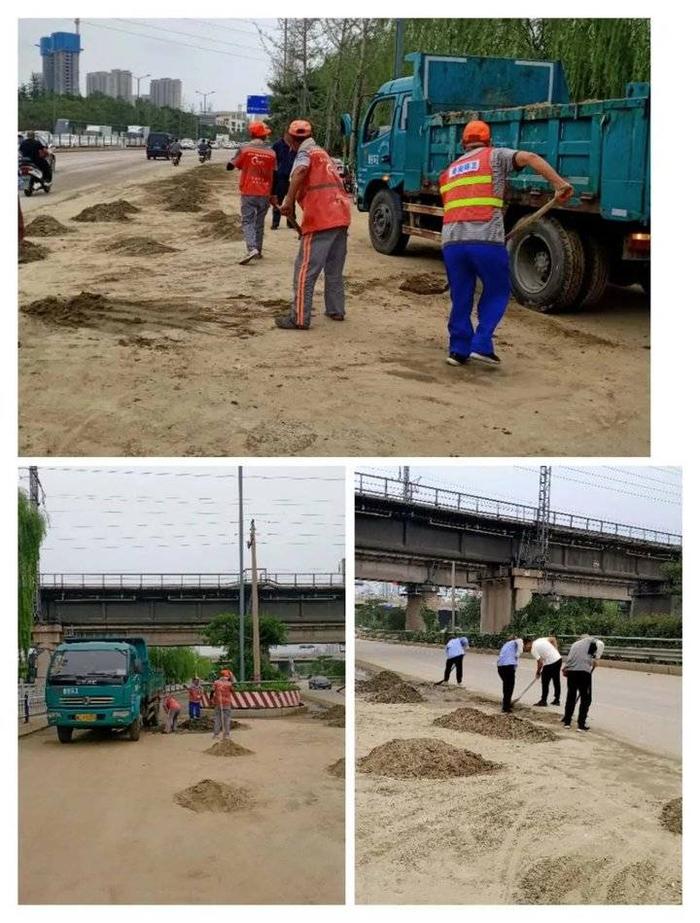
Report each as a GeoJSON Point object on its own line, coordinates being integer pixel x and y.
{"type": "Point", "coordinates": [546, 266]}
{"type": "Point", "coordinates": [385, 220]}
{"type": "Point", "coordinates": [596, 271]}
{"type": "Point", "coordinates": [64, 734]}
{"type": "Point", "coordinates": [134, 729]}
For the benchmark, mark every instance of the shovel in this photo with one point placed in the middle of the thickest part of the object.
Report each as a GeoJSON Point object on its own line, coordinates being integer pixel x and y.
{"type": "Point", "coordinates": [530, 219]}
{"type": "Point", "coordinates": [529, 686]}
{"type": "Point", "coordinates": [294, 224]}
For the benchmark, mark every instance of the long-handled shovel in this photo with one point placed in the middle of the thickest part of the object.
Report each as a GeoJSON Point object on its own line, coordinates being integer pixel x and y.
{"type": "Point", "coordinates": [530, 219]}
{"type": "Point", "coordinates": [529, 686]}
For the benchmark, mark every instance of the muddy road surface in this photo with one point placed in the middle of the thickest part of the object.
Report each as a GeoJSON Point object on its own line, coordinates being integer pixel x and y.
{"type": "Point", "coordinates": [574, 820]}
{"type": "Point", "coordinates": [176, 353]}
{"type": "Point", "coordinates": [106, 828]}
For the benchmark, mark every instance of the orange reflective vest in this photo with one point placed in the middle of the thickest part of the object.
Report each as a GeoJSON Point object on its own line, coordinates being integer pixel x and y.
{"type": "Point", "coordinates": [323, 197]}
{"type": "Point", "coordinates": [257, 165]}
{"type": "Point", "coordinates": [196, 693]}
{"type": "Point", "coordinates": [466, 187]}
{"type": "Point", "coordinates": [222, 693]}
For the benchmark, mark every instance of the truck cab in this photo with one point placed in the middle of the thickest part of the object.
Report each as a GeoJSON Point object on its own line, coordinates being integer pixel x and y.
{"type": "Point", "coordinates": [102, 683]}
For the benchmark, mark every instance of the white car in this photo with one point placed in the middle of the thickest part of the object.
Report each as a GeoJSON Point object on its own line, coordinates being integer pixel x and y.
{"type": "Point", "coordinates": [187, 144]}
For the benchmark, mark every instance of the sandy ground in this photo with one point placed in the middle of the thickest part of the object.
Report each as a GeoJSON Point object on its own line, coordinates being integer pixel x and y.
{"type": "Point", "coordinates": [643, 709]}
{"type": "Point", "coordinates": [98, 823]}
{"type": "Point", "coordinates": [571, 821]}
{"type": "Point", "coordinates": [188, 362]}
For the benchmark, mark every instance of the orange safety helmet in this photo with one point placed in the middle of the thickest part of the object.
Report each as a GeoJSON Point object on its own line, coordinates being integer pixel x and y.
{"type": "Point", "coordinates": [476, 131]}
{"type": "Point", "coordinates": [259, 130]}
{"type": "Point", "coordinates": [300, 128]}
{"type": "Point", "coordinates": [227, 673]}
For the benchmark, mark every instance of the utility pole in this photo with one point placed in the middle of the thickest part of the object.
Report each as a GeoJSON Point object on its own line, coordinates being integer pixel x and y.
{"type": "Point", "coordinates": [406, 478]}
{"type": "Point", "coordinates": [254, 603]}
{"type": "Point", "coordinates": [286, 59]}
{"type": "Point", "coordinates": [34, 500]}
{"type": "Point", "coordinates": [241, 581]}
{"type": "Point", "coordinates": [454, 621]}
{"type": "Point", "coordinates": [398, 47]}
{"type": "Point", "coordinates": [138, 85]}
{"type": "Point", "coordinates": [543, 509]}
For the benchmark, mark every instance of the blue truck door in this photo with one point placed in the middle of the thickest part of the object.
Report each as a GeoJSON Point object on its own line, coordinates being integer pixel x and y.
{"type": "Point", "coordinates": [376, 140]}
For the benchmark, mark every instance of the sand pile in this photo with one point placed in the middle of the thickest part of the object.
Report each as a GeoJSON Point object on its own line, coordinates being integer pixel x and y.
{"type": "Point", "coordinates": [424, 284]}
{"type": "Point", "coordinates": [507, 727]}
{"type": "Point", "coordinates": [222, 226]}
{"type": "Point", "coordinates": [423, 758]}
{"type": "Point", "coordinates": [333, 716]}
{"type": "Point", "coordinates": [213, 797]}
{"type": "Point", "coordinates": [140, 246]}
{"type": "Point", "coordinates": [402, 693]}
{"type": "Point", "coordinates": [107, 211]}
{"type": "Point", "coordinates": [337, 769]}
{"type": "Point", "coordinates": [227, 748]}
{"type": "Point", "coordinates": [186, 199]}
{"type": "Point", "coordinates": [30, 253]}
{"type": "Point", "coordinates": [46, 226]}
{"type": "Point", "coordinates": [672, 815]}
{"type": "Point", "coordinates": [69, 312]}
{"type": "Point", "coordinates": [206, 724]}
{"type": "Point", "coordinates": [385, 679]}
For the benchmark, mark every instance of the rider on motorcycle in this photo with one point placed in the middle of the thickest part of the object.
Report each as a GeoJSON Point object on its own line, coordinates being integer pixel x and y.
{"type": "Point", "coordinates": [204, 148]}
{"type": "Point", "coordinates": [175, 149]}
{"type": "Point", "coordinates": [34, 149]}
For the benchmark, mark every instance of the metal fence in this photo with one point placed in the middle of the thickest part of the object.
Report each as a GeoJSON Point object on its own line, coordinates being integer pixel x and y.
{"type": "Point", "coordinates": [373, 485]}
{"type": "Point", "coordinates": [31, 699]}
{"type": "Point", "coordinates": [187, 581]}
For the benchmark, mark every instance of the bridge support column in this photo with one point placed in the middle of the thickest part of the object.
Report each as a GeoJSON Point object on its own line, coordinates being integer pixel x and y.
{"type": "Point", "coordinates": [419, 598]}
{"type": "Point", "coordinates": [45, 638]}
{"type": "Point", "coordinates": [652, 603]}
{"type": "Point", "coordinates": [501, 597]}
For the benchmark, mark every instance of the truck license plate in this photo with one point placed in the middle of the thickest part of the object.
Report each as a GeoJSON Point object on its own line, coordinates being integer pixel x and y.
{"type": "Point", "coordinates": [86, 717]}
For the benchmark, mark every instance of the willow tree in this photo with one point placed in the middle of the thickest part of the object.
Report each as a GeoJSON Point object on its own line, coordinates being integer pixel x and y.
{"type": "Point", "coordinates": [31, 529]}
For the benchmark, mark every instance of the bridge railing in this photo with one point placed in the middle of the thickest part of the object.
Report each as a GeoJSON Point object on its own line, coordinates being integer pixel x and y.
{"type": "Point", "coordinates": [106, 581]}
{"type": "Point", "coordinates": [442, 498]}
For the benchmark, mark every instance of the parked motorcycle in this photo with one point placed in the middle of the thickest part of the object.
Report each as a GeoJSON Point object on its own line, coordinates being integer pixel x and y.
{"type": "Point", "coordinates": [31, 177]}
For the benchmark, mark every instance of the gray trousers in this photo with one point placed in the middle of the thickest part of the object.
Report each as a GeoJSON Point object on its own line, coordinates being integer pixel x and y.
{"type": "Point", "coordinates": [253, 211]}
{"type": "Point", "coordinates": [222, 721]}
{"type": "Point", "coordinates": [321, 250]}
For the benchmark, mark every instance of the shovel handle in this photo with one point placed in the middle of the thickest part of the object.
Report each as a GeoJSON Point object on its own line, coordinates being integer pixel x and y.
{"type": "Point", "coordinates": [530, 219]}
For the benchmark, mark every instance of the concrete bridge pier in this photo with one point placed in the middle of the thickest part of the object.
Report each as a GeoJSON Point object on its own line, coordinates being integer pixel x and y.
{"type": "Point", "coordinates": [419, 597]}
{"type": "Point", "coordinates": [501, 597]}
{"type": "Point", "coordinates": [45, 638]}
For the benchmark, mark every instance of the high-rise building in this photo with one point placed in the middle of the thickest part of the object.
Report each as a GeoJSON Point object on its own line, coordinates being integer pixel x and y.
{"type": "Point", "coordinates": [166, 92]}
{"type": "Point", "coordinates": [116, 83]}
{"type": "Point", "coordinates": [60, 55]}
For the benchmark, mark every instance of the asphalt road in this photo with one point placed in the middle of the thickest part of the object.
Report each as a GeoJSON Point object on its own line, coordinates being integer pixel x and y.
{"type": "Point", "coordinates": [85, 171]}
{"type": "Point", "coordinates": [643, 709]}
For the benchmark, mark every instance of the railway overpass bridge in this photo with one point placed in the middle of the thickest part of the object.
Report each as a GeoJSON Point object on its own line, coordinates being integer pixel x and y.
{"type": "Point", "coordinates": [173, 609]}
{"type": "Point", "coordinates": [416, 535]}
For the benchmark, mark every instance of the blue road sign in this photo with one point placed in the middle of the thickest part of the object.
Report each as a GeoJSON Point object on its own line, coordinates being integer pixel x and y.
{"type": "Point", "coordinates": [258, 105]}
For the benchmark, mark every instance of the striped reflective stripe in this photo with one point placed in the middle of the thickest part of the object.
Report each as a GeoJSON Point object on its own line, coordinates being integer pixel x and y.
{"type": "Point", "coordinates": [468, 203]}
{"type": "Point", "coordinates": [301, 281]}
{"type": "Point", "coordinates": [467, 181]}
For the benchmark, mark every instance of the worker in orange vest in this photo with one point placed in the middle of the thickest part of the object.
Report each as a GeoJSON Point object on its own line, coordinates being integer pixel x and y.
{"type": "Point", "coordinates": [257, 163]}
{"type": "Point", "coordinates": [171, 707]}
{"type": "Point", "coordinates": [316, 185]}
{"type": "Point", "coordinates": [195, 694]}
{"type": "Point", "coordinates": [473, 237]}
{"type": "Point", "coordinates": [222, 700]}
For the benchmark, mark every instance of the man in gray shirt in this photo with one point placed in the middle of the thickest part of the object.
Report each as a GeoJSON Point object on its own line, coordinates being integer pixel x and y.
{"type": "Point", "coordinates": [578, 669]}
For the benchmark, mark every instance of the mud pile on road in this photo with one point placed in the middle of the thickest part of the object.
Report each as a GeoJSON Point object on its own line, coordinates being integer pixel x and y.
{"type": "Point", "coordinates": [209, 796]}
{"type": "Point", "coordinates": [30, 253]}
{"type": "Point", "coordinates": [507, 727]}
{"type": "Point", "coordinates": [205, 724]}
{"type": "Point", "coordinates": [75, 311]}
{"type": "Point", "coordinates": [334, 716]}
{"type": "Point", "coordinates": [548, 880]}
{"type": "Point", "coordinates": [107, 211]}
{"type": "Point", "coordinates": [337, 769]}
{"type": "Point", "coordinates": [672, 815]}
{"type": "Point", "coordinates": [46, 226]}
{"type": "Point", "coordinates": [424, 283]}
{"type": "Point", "coordinates": [423, 758]}
{"type": "Point", "coordinates": [402, 693]}
{"type": "Point", "coordinates": [221, 226]}
{"type": "Point", "coordinates": [228, 748]}
{"type": "Point", "coordinates": [140, 246]}
{"type": "Point", "coordinates": [385, 679]}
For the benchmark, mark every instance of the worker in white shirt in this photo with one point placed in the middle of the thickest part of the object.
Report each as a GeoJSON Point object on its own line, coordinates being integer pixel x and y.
{"type": "Point", "coordinates": [454, 652]}
{"type": "Point", "coordinates": [546, 653]}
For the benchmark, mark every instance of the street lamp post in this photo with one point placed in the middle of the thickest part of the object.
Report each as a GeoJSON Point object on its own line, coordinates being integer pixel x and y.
{"type": "Point", "coordinates": [204, 99]}
{"type": "Point", "coordinates": [138, 85]}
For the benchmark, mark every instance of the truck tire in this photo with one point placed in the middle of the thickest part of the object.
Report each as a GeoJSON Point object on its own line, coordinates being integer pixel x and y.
{"type": "Point", "coordinates": [596, 271]}
{"type": "Point", "coordinates": [65, 734]}
{"type": "Point", "coordinates": [546, 266]}
{"type": "Point", "coordinates": [134, 729]}
{"type": "Point", "coordinates": [385, 220]}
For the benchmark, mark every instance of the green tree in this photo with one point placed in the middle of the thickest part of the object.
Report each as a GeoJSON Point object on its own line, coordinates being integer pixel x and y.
{"type": "Point", "coordinates": [31, 528]}
{"type": "Point", "coordinates": [180, 664]}
{"type": "Point", "coordinates": [673, 572]}
{"type": "Point", "coordinates": [223, 631]}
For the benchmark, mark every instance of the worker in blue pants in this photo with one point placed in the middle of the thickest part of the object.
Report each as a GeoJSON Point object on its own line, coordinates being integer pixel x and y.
{"type": "Point", "coordinates": [473, 237]}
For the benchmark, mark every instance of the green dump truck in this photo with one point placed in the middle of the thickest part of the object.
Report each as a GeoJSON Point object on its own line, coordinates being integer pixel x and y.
{"type": "Point", "coordinates": [102, 683]}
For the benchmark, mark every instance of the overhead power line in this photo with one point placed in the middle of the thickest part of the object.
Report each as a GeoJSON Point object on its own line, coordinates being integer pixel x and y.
{"type": "Point", "coordinates": [203, 38]}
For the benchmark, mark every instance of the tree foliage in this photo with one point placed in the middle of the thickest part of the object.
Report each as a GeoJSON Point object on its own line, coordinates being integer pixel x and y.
{"type": "Point", "coordinates": [180, 664]}
{"type": "Point", "coordinates": [223, 631]}
{"type": "Point", "coordinates": [341, 66]}
{"type": "Point", "coordinates": [31, 529]}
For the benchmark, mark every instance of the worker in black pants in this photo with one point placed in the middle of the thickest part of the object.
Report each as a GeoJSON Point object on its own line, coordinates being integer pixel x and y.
{"type": "Point", "coordinates": [507, 664]}
{"type": "Point", "coordinates": [578, 670]}
{"type": "Point", "coordinates": [285, 161]}
{"type": "Point", "coordinates": [454, 652]}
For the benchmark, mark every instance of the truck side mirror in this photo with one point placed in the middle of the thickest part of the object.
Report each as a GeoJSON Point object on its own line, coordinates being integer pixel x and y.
{"type": "Point", "coordinates": [345, 125]}
{"type": "Point", "coordinates": [138, 666]}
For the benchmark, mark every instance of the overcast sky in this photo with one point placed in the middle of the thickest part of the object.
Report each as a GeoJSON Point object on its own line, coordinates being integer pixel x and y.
{"type": "Point", "coordinates": [224, 55]}
{"type": "Point", "coordinates": [185, 520]}
{"type": "Point", "coordinates": [638, 496]}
